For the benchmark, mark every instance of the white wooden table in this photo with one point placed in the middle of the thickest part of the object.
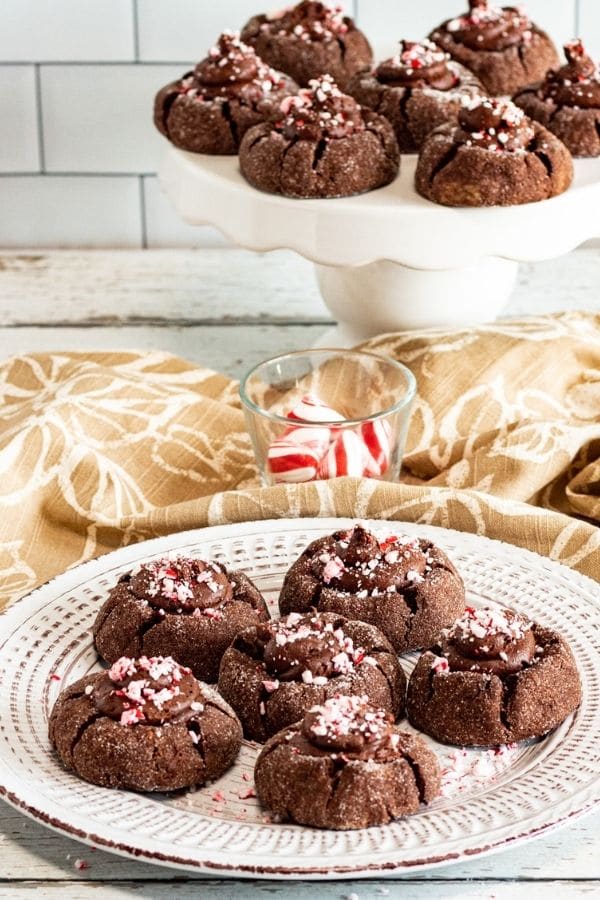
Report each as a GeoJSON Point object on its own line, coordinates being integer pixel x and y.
{"type": "Point", "coordinates": [228, 309]}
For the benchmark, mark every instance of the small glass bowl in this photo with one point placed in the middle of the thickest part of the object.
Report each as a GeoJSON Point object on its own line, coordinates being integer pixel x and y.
{"type": "Point", "coordinates": [319, 414]}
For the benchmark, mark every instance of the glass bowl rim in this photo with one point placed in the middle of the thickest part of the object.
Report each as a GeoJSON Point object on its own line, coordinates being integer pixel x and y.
{"type": "Point", "coordinates": [405, 402]}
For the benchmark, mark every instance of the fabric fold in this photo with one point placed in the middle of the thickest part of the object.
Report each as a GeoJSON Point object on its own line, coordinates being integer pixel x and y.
{"type": "Point", "coordinates": [98, 450]}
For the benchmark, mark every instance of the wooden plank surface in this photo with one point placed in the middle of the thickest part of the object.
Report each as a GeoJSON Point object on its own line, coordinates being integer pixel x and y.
{"type": "Point", "coordinates": [340, 890]}
{"type": "Point", "coordinates": [230, 349]}
{"type": "Point", "coordinates": [178, 287]}
{"type": "Point", "coordinates": [228, 309]}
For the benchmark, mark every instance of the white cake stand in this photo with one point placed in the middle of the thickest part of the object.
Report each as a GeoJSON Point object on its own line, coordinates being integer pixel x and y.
{"type": "Point", "coordinates": [390, 260]}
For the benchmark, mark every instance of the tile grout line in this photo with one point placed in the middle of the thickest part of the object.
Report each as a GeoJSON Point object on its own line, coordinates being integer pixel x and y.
{"type": "Point", "coordinates": [61, 174]}
{"type": "Point", "coordinates": [143, 214]}
{"type": "Point", "coordinates": [136, 30]}
{"type": "Point", "coordinates": [39, 117]}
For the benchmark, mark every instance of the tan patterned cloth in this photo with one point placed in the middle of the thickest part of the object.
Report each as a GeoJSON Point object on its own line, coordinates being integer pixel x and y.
{"type": "Point", "coordinates": [99, 450]}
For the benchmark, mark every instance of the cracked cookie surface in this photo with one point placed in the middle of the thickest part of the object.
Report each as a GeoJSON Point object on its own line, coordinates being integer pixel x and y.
{"type": "Point", "coordinates": [322, 145]}
{"type": "Point", "coordinates": [567, 102]}
{"type": "Point", "coordinates": [274, 672]}
{"type": "Point", "coordinates": [178, 606]}
{"type": "Point", "coordinates": [344, 766]}
{"type": "Point", "coordinates": [406, 587]}
{"type": "Point", "coordinates": [309, 39]}
{"type": "Point", "coordinates": [494, 678]}
{"type": "Point", "coordinates": [501, 45]}
{"type": "Point", "coordinates": [495, 156]}
{"type": "Point", "coordinates": [417, 90]}
{"type": "Point", "coordinates": [144, 724]}
{"type": "Point", "coordinates": [210, 109]}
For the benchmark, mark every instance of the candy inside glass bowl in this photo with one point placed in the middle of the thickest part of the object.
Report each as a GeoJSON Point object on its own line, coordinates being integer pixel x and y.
{"type": "Point", "coordinates": [320, 414]}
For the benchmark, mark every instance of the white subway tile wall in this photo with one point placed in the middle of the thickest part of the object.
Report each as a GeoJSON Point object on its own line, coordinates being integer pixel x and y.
{"type": "Point", "coordinates": [78, 151]}
{"type": "Point", "coordinates": [67, 30]}
{"type": "Point", "coordinates": [589, 24]}
{"type": "Point", "coordinates": [99, 118]}
{"type": "Point", "coordinates": [70, 211]}
{"type": "Point", "coordinates": [19, 146]}
{"type": "Point", "coordinates": [182, 30]}
{"type": "Point", "coordinates": [164, 228]}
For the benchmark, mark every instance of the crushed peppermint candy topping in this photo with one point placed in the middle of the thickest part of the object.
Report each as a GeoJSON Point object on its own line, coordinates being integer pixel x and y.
{"type": "Point", "coordinates": [209, 612]}
{"type": "Point", "coordinates": [481, 623]}
{"type": "Point", "coordinates": [321, 105]}
{"type": "Point", "coordinates": [482, 14]}
{"type": "Point", "coordinates": [168, 581]}
{"type": "Point", "coordinates": [136, 692]}
{"type": "Point", "coordinates": [333, 568]}
{"type": "Point", "coordinates": [131, 716]}
{"type": "Point", "coordinates": [422, 55]}
{"type": "Point", "coordinates": [296, 627]}
{"type": "Point", "coordinates": [241, 62]}
{"type": "Point", "coordinates": [346, 716]}
{"type": "Point", "coordinates": [493, 124]}
{"type": "Point", "coordinates": [440, 665]}
{"type": "Point", "coordinates": [308, 21]}
{"type": "Point", "coordinates": [467, 769]}
{"type": "Point", "coordinates": [399, 543]}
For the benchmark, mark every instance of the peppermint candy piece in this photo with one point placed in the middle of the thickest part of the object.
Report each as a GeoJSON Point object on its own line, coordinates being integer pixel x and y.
{"type": "Point", "coordinates": [291, 463]}
{"type": "Point", "coordinates": [346, 456]}
{"type": "Point", "coordinates": [311, 409]}
{"type": "Point", "coordinates": [377, 439]}
{"type": "Point", "coordinates": [315, 439]}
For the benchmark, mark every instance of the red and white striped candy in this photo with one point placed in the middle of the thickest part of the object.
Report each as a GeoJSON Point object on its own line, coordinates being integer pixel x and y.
{"type": "Point", "coordinates": [346, 456]}
{"type": "Point", "coordinates": [377, 440]}
{"type": "Point", "coordinates": [311, 409]}
{"type": "Point", "coordinates": [316, 439]}
{"type": "Point", "coordinates": [292, 463]}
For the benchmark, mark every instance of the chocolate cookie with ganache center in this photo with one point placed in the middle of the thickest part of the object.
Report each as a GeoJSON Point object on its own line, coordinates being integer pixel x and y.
{"type": "Point", "coordinates": [417, 90]}
{"type": "Point", "coordinates": [308, 40]}
{"type": "Point", "coordinates": [345, 765]}
{"type": "Point", "coordinates": [406, 587]}
{"type": "Point", "coordinates": [495, 156]}
{"type": "Point", "coordinates": [210, 109]}
{"type": "Point", "coordinates": [145, 724]}
{"type": "Point", "coordinates": [567, 102]}
{"type": "Point", "coordinates": [495, 677]}
{"type": "Point", "coordinates": [273, 673]}
{"type": "Point", "coordinates": [178, 606]}
{"type": "Point", "coordinates": [501, 45]}
{"type": "Point", "coordinates": [322, 145]}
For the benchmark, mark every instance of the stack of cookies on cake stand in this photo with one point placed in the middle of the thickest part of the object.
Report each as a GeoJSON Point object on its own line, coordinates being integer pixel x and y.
{"type": "Point", "coordinates": [442, 166]}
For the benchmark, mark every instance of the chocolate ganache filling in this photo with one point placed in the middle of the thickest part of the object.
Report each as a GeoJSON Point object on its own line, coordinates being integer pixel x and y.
{"type": "Point", "coordinates": [577, 83]}
{"type": "Point", "coordinates": [418, 65]}
{"type": "Point", "coordinates": [361, 563]}
{"type": "Point", "coordinates": [310, 21]}
{"type": "Point", "coordinates": [494, 125]}
{"type": "Point", "coordinates": [488, 27]}
{"type": "Point", "coordinates": [350, 725]}
{"type": "Point", "coordinates": [179, 584]}
{"type": "Point", "coordinates": [492, 641]}
{"type": "Point", "coordinates": [306, 648]}
{"type": "Point", "coordinates": [147, 691]}
{"type": "Point", "coordinates": [231, 68]}
{"type": "Point", "coordinates": [320, 112]}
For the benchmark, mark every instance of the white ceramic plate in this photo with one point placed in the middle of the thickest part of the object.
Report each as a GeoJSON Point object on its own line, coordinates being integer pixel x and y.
{"type": "Point", "coordinates": [490, 801]}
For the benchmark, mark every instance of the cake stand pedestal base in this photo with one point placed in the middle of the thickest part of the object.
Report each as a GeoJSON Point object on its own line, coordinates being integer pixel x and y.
{"type": "Point", "coordinates": [386, 296]}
